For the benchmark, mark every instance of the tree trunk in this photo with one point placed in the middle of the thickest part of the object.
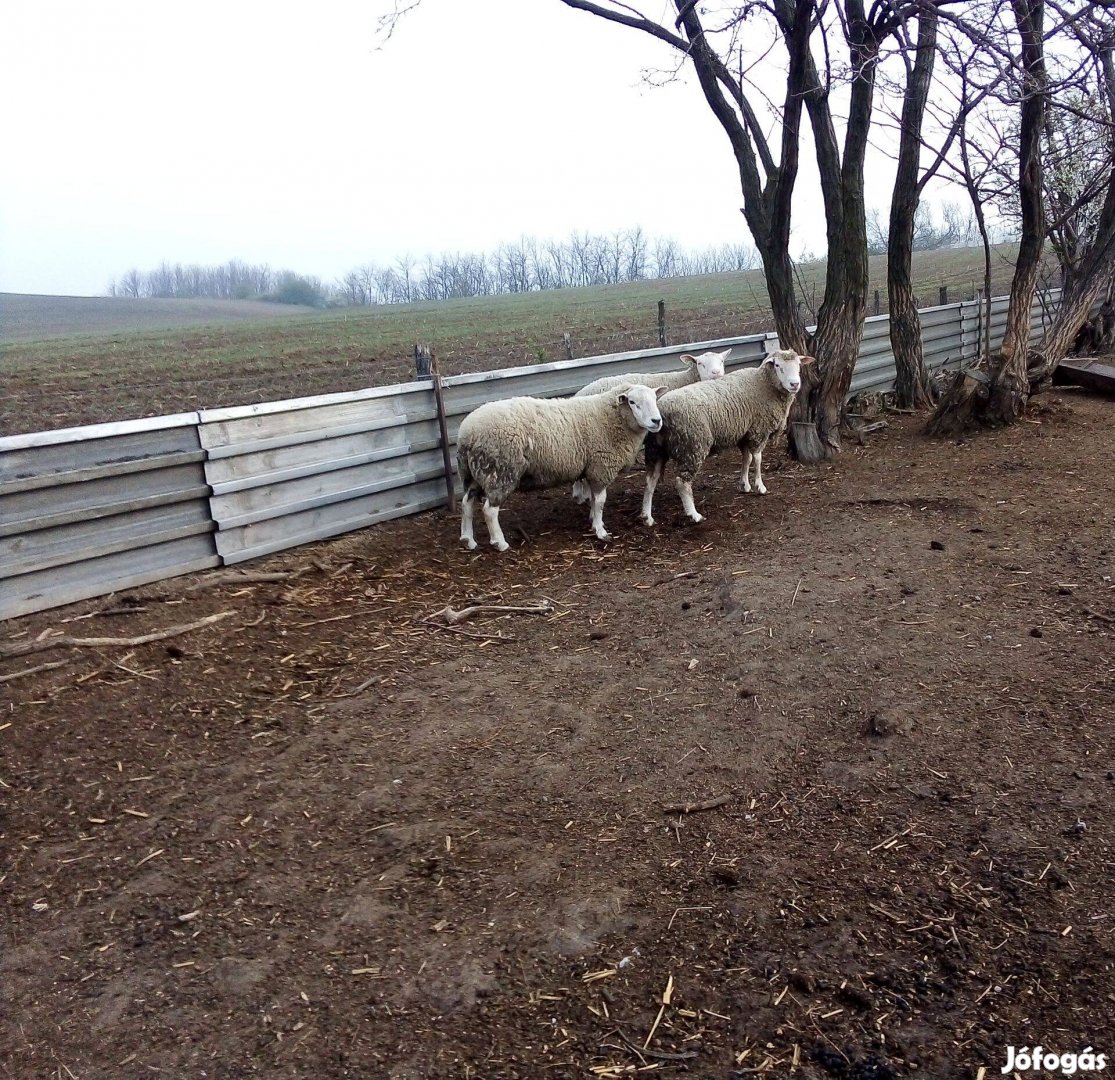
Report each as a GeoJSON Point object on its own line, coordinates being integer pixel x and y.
{"type": "Point", "coordinates": [815, 417]}
{"type": "Point", "coordinates": [975, 398]}
{"type": "Point", "coordinates": [1010, 385]}
{"type": "Point", "coordinates": [912, 385]}
{"type": "Point", "coordinates": [1094, 276]}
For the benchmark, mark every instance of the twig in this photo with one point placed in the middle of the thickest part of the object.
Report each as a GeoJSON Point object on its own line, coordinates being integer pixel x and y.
{"type": "Point", "coordinates": [65, 641]}
{"type": "Point", "coordinates": [666, 995]}
{"type": "Point", "coordinates": [694, 807]}
{"type": "Point", "coordinates": [33, 670]}
{"type": "Point", "coordinates": [662, 1055]}
{"type": "Point", "coordinates": [466, 633]}
{"type": "Point", "coordinates": [795, 596]}
{"type": "Point", "coordinates": [1099, 615]}
{"type": "Point", "coordinates": [362, 687]}
{"type": "Point", "coordinates": [453, 616]}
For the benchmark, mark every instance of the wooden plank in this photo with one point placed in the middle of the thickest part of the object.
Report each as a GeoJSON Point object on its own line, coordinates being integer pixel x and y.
{"type": "Point", "coordinates": [80, 581]}
{"type": "Point", "coordinates": [275, 534]}
{"type": "Point", "coordinates": [22, 464]}
{"type": "Point", "coordinates": [304, 458]}
{"type": "Point", "coordinates": [90, 539]}
{"type": "Point", "coordinates": [279, 426]}
{"type": "Point", "coordinates": [322, 489]}
{"type": "Point", "coordinates": [47, 507]}
{"type": "Point", "coordinates": [98, 472]}
{"type": "Point", "coordinates": [92, 432]}
{"type": "Point", "coordinates": [1091, 374]}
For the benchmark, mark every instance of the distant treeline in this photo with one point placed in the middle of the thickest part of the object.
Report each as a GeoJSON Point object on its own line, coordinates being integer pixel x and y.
{"type": "Point", "coordinates": [527, 265]}
{"type": "Point", "coordinates": [234, 280]}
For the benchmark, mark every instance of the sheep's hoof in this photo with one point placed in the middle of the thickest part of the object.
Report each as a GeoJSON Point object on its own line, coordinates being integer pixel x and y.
{"type": "Point", "coordinates": [744, 487]}
{"type": "Point", "coordinates": [470, 544]}
{"type": "Point", "coordinates": [605, 536]}
{"type": "Point", "coordinates": [696, 518]}
{"type": "Point", "coordinates": [760, 490]}
{"type": "Point", "coordinates": [649, 521]}
{"type": "Point", "coordinates": [501, 545]}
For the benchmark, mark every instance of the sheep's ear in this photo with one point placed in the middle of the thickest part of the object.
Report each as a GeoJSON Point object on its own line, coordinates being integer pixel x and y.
{"type": "Point", "coordinates": [688, 358]}
{"type": "Point", "coordinates": [659, 391]}
{"type": "Point", "coordinates": [725, 354]}
{"type": "Point", "coordinates": [623, 399]}
{"type": "Point", "coordinates": [768, 359]}
{"type": "Point", "coordinates": [807, 360]}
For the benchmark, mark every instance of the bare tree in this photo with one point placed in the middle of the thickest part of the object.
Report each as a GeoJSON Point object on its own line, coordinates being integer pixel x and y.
{"type": "Point", "coordinates": [1080, 187]}
{"type": "Point", "coordinates": [912, 385]}
{"type": "Point", "coordinates": [805, 29]}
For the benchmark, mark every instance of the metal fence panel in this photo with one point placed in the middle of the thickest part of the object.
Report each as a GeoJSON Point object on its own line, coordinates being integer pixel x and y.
{"type": "Point", "coordinates": [87, 511]}
{"type": "Point", "coordinates": [286, 473]}
{"type": "Point", "coordinates": [268, 535]}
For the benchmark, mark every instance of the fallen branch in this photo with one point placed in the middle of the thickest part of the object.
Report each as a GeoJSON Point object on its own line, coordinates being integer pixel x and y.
{"type": "Point", "coordinates": [452, 616]}
{"type": "Point", "coordinates": [250, 577]}
{"type": "Point", "coordinates": [33, 670]}
{"type": "Point", "coordinates": [696, 807]}
{"type": "Point", "coordinates": [62, 641]}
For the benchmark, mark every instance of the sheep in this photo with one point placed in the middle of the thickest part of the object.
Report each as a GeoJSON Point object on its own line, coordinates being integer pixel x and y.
{"type": "Point", "coordinates": [743, 409]}
{"type": "Point", "coordinates": [703, 368]}
{"type": "Point", "coordinates": [526, 443]}
{"type": "Point", "coordinates": [709, 365]}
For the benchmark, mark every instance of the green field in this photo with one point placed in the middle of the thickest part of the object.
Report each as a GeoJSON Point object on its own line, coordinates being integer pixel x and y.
{"type": "Point", "coordinates": [102, 359]}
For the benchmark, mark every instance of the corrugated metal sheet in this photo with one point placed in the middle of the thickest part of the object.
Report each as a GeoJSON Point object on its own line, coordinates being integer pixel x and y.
{"type": "Point", "coordinates": [87, 511]}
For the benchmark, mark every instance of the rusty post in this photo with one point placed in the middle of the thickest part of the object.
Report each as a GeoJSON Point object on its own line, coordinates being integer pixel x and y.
{"type": "Point", "coordinates": [443, 431]}
{"type": "Point", "coordinates": [662, 322]}
{"type": "Point", "coordinates": [944, 294]}
{"type": "Point", "coordinates": [567, 341]}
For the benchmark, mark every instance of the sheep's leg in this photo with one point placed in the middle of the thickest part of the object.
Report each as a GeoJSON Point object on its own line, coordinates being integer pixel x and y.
{"type": "Point", "coordinates": [468, 505]}
{"type": "Point", "coordinates": [744, 479]}
{"type": "Point", "coordinates": [759, 486]}
{"type": "Point", "coordinates": [495, 533]}
{"type": "Point", "coordinates": [598, 498]}
{"type": "Point", "coordinates": [654, 474]}
{"type": "Point", "coordinates": [581, 491]}
{"type": "Point", "coordinates": [685, 493]}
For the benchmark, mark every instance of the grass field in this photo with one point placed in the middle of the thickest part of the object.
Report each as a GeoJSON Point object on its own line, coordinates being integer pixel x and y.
{"type": "Point", "coordinates": [83, 360]}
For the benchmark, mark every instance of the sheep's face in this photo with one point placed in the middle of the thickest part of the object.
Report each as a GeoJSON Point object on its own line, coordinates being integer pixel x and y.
{"type": "Point", "coordinates": [787, 366]}
{"type": "Point", "coordinates": [642, 406]}
{"type": "Point", "coordinates": [709, 365]}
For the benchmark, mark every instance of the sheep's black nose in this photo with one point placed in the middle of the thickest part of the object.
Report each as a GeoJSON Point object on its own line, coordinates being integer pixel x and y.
{"type": "Point", "coordinates": [655, 425]}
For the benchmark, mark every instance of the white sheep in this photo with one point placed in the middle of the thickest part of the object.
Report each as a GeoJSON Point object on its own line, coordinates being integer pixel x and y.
{"type": "Point", "coordinates": [707, 366]}
{"type": "Point", "coordinates": [742, 409]}
{"type": "Point", "coordinates": [527, 443]}
{"type": "Point", "coordinates": [703, 368]}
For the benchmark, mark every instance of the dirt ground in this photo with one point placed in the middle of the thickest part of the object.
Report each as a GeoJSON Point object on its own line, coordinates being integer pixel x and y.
{"type": "Point", "coordinates": [324, 838]}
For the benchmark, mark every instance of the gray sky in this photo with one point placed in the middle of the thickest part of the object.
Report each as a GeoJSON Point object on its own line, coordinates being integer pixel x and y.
{"type": "Point", "coordinates": [136, 132]}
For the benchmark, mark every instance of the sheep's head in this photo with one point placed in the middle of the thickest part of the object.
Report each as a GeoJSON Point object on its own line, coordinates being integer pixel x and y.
{"type": "Point", "coordinates": [709, 365]}
{"type": "Point", "coordinates": [786, 366]}
{"type": "Point", "coordinates": [642, 406]}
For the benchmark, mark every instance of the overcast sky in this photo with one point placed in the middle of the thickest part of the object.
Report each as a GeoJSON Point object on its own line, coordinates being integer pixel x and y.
{"type": "Point", "coordinates": [289, 134]}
